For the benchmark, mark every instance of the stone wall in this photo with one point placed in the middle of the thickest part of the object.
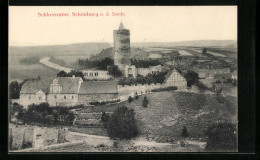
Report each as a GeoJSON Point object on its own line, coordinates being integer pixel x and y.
{"type": "Point", "coordinates": [144, 88]}
{"type": "Point", "coordinates": [86, 99]}
{"type": "Point", "coordinates": [139, 88]}
{"type": "Point", "coordinates": [37, 136]}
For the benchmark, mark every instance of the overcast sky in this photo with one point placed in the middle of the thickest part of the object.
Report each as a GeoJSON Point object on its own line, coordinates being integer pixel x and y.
{"type": "Point", "coordinates": [146, 24]}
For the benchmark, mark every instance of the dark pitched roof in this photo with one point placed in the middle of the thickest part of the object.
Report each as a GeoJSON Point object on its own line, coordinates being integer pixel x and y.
{"type": "Point", "coordinates": [69, 84]}
{"type": "Point", "coordinates": [170, 72]}
{"type": "Point", "coordinates": [34, 85]}
{"type": "Point", "coordinates": [98, 87]}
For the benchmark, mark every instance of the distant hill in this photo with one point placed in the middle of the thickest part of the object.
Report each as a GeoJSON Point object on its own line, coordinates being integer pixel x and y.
{"type": "Point", "coordinates": [52, 50]}
{"type": "Point", "coordinates": [104, 49]}
{"type": "Point", "coordinates": [197, 43]}
{"type": "Point", "coordinates": [136, 53]}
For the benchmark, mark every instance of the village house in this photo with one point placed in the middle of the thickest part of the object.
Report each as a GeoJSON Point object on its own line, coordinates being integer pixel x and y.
{"type": "Point", "coordinates": [174, 78]}
{"type": "Point", "coordinates": [92, 74]}
{"type": "Point", "coordinates": [66, 91]}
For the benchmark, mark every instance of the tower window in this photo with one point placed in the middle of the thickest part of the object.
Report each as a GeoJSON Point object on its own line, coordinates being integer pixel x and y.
{"type": "Point", "coordinates": [40, 98]}
{"type": "Point", "coordinates": [55, 97]}
{"type": "Point", "coordinates": [29, 97]}
{"type": "Point", "coordinates": [91, 74]}
{"type": "Point", "coordinates": [96, 74]}
{"type": "Point", "coordinates": [64, 97]}
{"type": "Point", "coordinates": [72, 97]}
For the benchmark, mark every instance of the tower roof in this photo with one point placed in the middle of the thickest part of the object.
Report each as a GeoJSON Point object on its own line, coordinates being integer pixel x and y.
{"type": "Point", "coordinates": [121, 26]}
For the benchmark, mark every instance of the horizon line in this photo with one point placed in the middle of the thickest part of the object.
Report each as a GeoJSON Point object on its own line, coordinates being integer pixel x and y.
{"type": "Point", "coordinates": [35, 45]}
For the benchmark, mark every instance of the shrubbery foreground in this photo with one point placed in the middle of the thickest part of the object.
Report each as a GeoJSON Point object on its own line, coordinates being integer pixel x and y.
{"type": "Point", "coordinates": [121, 124]}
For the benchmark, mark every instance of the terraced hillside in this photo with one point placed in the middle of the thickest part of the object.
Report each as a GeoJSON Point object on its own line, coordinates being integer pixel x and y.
{"type": "Point", "coordinates": [169, 111]}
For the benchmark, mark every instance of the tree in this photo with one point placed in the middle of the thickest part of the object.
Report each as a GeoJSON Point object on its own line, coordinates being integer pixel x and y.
{"type": "Point", "coordinates": [201, 86]}
{"type": "Point", "coordinates": [184, 132]}
{"type": "Point", "coordinates": [222, 137]}
{"type": "Point", "coordinates": [136, 95]}
{"type": "Point", "coordinates": [14, 90]}
{"type": "Point", "coordinates": [192, 78]}
{"type": "Point", "coordinates": [105, 62]}
{"type": "Point", "coordinates": [145, 102]}
{"type": "Point", "coordinates": [130, 99]}
{"type": "Point", "coordinates": [70, 118]}
{"type": "Point", "coordinates": [122, 124]}
{"type": "Point", "coordinates": [114, 71]}
{"type": "Point", "coordinates": [71, 73]}
{"type": "Point", "coordinates": [204, 51]}
{"type": "Point", "coordinates": [104, 119]}
{"type": "Point", "coordinates": [62, 74]}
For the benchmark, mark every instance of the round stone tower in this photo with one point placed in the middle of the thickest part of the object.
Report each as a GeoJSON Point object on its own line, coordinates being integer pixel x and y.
{"type": "Point", "coordinates": [122, 47]}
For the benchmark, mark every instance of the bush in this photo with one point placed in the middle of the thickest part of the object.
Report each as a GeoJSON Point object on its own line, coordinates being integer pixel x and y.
{"type": "Point", "coordinates": [115, 144]}
{"type": "Point", "coordinates": [201, 86]}
{"type": "Point", "coordinates": [103, 103]}
{"type": "Point", "coordinates": [14, 90]}
{"type": "Point", "coordinates": [222, 137]}
{"type": "Point", "coordinates": [45, 114]}
{"type": "Point", "coordinates": [71, 73]}
{"type": "Point", "coordinates": [192, 78]}
{"type": "Point", "coordinates": [130, 99]}
{"type": "Point", "coordinates": [165, 89]}
{"type": "Point", "coordinates": [184, 132]}
{"type": "Point", "coordinates": [114, 71]}
{"type": "Point", "coordinates": [145, 102]}
{"type": "Point", "coordinates": [122, 124]}
{"type": "Point", "coordinates": [136, 96]}
{"type": "Point", "coordinates": [105, 118]}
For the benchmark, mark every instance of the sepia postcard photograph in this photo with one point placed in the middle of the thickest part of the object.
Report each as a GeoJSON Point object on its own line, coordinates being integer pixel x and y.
{"type": "Point", "coordinates": [122, 79]}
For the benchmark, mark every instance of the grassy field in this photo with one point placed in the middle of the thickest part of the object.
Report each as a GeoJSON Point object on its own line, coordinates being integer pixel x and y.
{"type": "Point", "coordinates": [125, 148]}
{"type": "Point", "coordinates": [169, 111]}
{"type": "Point", "coordinates": [21, 71]}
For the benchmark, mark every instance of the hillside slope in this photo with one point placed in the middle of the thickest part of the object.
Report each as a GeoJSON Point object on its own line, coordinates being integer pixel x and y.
{"type": "Point", "coordinates": [136, 53]}
{"type": "Point", "coordinates": [52, 50]}
{"type": "Point", "coordinates": [169, 111]}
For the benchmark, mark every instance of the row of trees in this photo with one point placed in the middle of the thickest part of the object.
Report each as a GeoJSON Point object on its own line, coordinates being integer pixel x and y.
{"type": "Point", "coordinates": [99, 64]}
{"type": "Point", "coordinates": [193, 79]}
{"type": "Point", "coordinates": [70, 74]}
{"type": "Point", "coordinates": [42, 113]}
{"type": "Point", "coordinates": [144, 63]}
{"type": "Point", "coordinates": [157, 77]}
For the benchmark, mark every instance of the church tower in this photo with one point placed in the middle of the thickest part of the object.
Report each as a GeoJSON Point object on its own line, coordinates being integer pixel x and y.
{"type": "Point", "coordinates": [122, 47]}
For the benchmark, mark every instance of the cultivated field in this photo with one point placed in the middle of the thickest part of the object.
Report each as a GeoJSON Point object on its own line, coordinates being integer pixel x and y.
{"type": "Point", "coordinates": [184, 53]}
